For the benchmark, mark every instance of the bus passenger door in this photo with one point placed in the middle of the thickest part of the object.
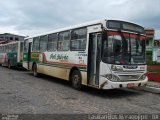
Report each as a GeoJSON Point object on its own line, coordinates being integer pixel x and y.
{"type": "Point", "coordinates": [29, 54]}
{"type": "Point", "coordinates": [94, 57]}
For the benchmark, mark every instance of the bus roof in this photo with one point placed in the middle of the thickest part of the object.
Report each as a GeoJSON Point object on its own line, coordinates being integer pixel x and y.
{"type": "Point", "coordinates": [12, 42]}
{"type": "Point", "coordinates": [100, 21]}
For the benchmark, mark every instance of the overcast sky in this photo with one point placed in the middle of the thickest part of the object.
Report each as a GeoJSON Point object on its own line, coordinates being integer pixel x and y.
{"type": "Point", "coordinates": [29, 17]}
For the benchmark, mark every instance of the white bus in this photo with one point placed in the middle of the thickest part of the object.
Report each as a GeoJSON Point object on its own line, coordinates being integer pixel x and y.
{"type": "Point", "coordinates": [104, 54]}
{"type": "Point", "coordinates": [11, 54]}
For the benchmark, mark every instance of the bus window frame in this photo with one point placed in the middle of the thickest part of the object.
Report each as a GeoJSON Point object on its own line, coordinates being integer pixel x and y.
{"type": "Point", "coordinates": [56, 46]}
{"type": "Point", "coordinates": [79, 39]}
{"type": "Point", "coordinates": [41, 44]}
{"type": "Point", "coordinates": [38, 37]}
{"type": "Point", "coordinates": [62, 41]}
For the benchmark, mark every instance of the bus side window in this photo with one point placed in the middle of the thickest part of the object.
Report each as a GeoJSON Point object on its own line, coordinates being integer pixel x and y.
{"type": "Point", "coordinates": [10, 48]}
{"type": "Point", "coordinates": [78, 39]}
{"type": "Point", "coordinates": [13, 47]}
{"type": "Point", "coordinates": [35, 44]}
{"type": "Point", "coordinates": [43, 43]}
{"type": "Point", "coordinates": [63, 41]}
{"type": "Point", "coordinates": [25, 46]}
{"type": "Point", "coordinates": [52, 42]}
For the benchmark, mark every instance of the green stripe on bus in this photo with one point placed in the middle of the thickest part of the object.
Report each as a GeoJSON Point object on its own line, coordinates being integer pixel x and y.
{"type": "Point", "coordinates": [62, 66]}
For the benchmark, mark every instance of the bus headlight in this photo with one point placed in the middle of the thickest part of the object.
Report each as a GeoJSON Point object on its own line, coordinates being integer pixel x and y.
{"type": "Point", "coordinates": [112, 77]}
{"type": "Point", "coordinates": [142, 77]}
{"type": "Point", "coordinates": [116, 68]}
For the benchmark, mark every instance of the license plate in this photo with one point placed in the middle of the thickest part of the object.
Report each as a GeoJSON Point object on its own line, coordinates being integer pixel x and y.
{"type": "Point", "coordinates": [130, 85]}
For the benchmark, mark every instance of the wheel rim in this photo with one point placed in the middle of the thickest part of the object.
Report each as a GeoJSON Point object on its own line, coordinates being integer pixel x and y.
{"type": "Point", "coordinates": [76, 80]}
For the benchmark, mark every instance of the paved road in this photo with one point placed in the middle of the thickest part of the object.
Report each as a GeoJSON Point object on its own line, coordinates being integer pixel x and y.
{"type": "Point", "coordinates": [20, 92]}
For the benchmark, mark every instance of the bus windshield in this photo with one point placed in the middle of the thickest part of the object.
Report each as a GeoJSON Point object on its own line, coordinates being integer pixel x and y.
{"type": "Point", "coordinates": [123, 48]}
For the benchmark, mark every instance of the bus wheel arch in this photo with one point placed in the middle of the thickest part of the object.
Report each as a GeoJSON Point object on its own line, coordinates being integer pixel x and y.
{"type": "Point", "coordinates": [34, 69]}
{"type": "Point", "coordinates": [75, 78]}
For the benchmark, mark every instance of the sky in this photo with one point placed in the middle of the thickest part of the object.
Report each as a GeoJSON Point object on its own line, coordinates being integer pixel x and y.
{"type": "Point", "coordinates": [30, 17]}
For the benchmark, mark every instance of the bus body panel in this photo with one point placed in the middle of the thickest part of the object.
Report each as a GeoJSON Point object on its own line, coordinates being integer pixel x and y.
{"type": "Point", "coordinates": [20, 52]}
{"type": "Point", "coordinates": [12, 57]}
{"type": "Point", "coordinates": [3, 57]}
{"type": "Point", "coordinates": [25, 57]}
{"type": "Point", "coordinates": [59, 64]}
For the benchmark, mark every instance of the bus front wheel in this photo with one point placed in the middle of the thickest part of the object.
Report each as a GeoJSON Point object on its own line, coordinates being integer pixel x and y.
{"type": "Point", "coordinates": [76, 79]}
{"type": "Point", "coordinates": [35, 70]}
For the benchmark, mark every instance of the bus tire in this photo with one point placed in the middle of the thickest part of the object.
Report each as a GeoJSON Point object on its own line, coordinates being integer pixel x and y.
{"type": "Point", "coordinates": [9, 64]}
{"type": "Point", "coordinates": [35, 74]}
{"type": "Point", "coordinates": [76, 80]}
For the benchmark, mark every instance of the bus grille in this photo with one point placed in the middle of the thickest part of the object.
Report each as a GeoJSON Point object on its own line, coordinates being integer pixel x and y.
{"type": "Point", "coordinates": [129, 77]}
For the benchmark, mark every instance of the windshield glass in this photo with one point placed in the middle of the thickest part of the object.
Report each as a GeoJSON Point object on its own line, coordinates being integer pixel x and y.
{"type": "Point", "coordinates": [123, 48]}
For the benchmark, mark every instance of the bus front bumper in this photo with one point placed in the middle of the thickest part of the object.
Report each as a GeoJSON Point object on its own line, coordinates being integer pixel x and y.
{"type": "Point", "coordinates": [107, 84]}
